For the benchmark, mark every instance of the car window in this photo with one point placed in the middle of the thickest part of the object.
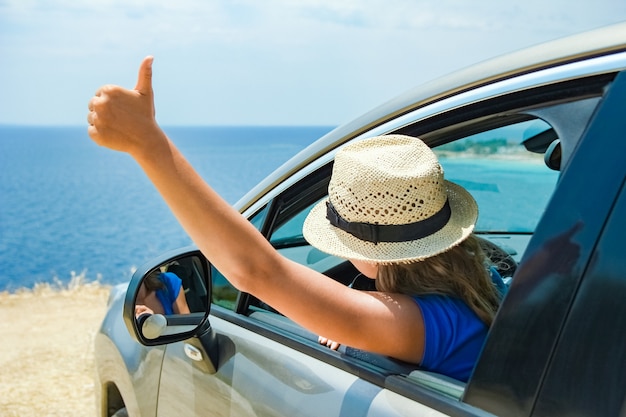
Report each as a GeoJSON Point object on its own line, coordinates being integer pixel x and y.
{"type": "Point", "coordinates": [223, 292]}
{"type": "Point", "coordinates": [289, 241]}
{"type": "Point", "coordinates": [511, 185]}
{"type": "Point", "coordinates": [291, 230]}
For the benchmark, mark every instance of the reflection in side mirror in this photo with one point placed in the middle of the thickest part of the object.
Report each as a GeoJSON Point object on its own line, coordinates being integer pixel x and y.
{"type": "Point", "coordinates": [161, 292]}
{"type": "Point", "coordinates": [153, 325]}
{"type": "Point", "coordinates": [169, 301]}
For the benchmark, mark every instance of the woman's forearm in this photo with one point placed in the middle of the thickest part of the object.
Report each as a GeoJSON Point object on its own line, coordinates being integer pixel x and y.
{"type": "Point", "coordinates": [230, 242]}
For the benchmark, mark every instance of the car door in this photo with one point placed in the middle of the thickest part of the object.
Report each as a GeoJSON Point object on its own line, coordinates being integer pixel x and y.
{"type": "Point", "coordinates": [586, 375]}
{"type": "Point", "coordinates": [558, 345]}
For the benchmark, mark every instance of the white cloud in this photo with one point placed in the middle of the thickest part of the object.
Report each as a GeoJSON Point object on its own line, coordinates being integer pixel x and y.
{"type": "Point", "coordinates": [246, 61]}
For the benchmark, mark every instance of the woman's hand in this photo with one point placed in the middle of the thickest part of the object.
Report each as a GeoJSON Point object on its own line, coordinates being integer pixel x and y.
{"type": "Point", "coordinates": [327, 342]}
{"type": "Point", "coordinates": [142, 309]}
{"type": "Point", "coordinates": [122, 119]}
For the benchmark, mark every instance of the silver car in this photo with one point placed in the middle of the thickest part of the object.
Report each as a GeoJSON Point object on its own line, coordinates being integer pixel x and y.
{"type": "Point", "coordinates": [539, 139]}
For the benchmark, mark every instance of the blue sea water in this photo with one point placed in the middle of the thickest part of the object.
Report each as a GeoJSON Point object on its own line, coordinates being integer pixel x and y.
{"type": "Point", "coordinates": [68, 205]}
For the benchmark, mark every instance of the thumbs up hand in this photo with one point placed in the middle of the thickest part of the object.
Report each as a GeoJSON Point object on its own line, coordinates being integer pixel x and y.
{"type": "Point", "coordinates": [123, 119]}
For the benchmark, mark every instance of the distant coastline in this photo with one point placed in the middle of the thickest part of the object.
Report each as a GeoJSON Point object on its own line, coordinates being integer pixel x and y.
{"type": "Point", "coordinates": [504, 155]}
{"type": "Point", "coordinates": [488, 149]}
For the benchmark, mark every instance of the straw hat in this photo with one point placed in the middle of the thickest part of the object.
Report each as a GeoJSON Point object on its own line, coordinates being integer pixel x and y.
{"type": "Point", "coordinates": [388, 202]}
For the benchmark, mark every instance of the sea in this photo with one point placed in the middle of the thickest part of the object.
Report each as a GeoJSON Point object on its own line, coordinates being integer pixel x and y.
{"type": "Point", "coordinates": [70, 209]}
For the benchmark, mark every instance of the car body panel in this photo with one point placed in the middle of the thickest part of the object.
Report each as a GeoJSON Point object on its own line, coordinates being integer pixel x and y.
{"type": "Point", "coordinates": [121, 361]}
{"type": "Point", "coordinates": [597, 310]}
{"type": "Point", "coordinates": [288, 381]}
{"type": "Point", "coordinates": [601, 319]}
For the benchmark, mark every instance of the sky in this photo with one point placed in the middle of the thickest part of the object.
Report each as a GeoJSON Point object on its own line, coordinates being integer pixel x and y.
{"type": "Point", "coordinates": [253, 62]}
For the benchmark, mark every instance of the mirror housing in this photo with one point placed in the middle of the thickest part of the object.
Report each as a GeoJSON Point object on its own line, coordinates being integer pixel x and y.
{"type": "Point", "coordinates": [169, 299]}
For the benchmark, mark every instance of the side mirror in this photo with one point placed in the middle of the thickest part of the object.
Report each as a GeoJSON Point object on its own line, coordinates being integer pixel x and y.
{"type": "Point", "coordinates": [168, 300]}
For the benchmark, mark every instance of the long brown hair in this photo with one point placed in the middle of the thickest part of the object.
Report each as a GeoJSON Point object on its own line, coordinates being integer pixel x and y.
{"type": "Point", "coordinates": [459, 272]}
{"type": "Point", "coordinates": [152, 281]}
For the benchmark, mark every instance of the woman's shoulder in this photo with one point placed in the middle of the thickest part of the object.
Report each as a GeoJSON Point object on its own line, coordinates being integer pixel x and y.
{"type": "Point", "coordinates": [170, 277]}
{"type": "Point", "coordinates": [454, 335]}
{"type": "Point", "coordinates": [172, 283]}
{"type": "Point", "coordinates": [437, 299]}
{"type": "Point", "coordinates": [435, 307]}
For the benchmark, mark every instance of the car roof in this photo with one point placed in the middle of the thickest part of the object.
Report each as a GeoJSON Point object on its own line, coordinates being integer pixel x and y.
{"type": "Point", "coordinates": [590, 44]}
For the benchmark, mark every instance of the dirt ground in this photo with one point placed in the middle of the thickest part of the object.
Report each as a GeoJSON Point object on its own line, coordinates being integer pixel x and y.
{"type": "Point", "coordinates": [46, 350]}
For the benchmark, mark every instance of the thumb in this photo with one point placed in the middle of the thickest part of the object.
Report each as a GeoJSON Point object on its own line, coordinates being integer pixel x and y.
{"type": "Point", "coordinates": [144, 81]}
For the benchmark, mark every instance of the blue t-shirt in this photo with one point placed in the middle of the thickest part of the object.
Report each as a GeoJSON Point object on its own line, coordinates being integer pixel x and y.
{"type": "Point", "coordinates": [168, 295]}
{"type": "Point", "coordinates": [454, 336]}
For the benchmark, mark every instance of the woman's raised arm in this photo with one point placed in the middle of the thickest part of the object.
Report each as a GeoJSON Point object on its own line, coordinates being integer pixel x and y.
{"type": "Point", "coordinates": [124, 120]}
